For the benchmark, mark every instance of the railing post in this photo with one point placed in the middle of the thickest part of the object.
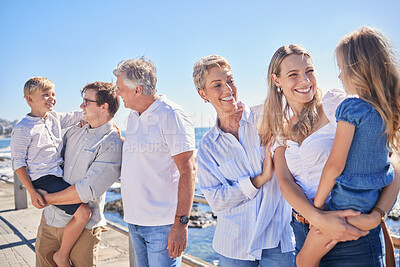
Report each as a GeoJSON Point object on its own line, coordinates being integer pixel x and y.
{"type": "Point", "coordinates": [132, 259]}
{"type": "Point", "coordinates": [20, 196]}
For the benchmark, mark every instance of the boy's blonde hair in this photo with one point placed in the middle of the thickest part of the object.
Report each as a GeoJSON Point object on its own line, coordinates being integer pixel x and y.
{"type": "Point", "coordinates": [369, 66]}
{"type": "Point", "coordinates": [37, 83]}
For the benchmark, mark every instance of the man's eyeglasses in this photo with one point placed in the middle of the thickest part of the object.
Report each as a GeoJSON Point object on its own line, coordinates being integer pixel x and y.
{"type": "Point", "coordinates": [85, 101]}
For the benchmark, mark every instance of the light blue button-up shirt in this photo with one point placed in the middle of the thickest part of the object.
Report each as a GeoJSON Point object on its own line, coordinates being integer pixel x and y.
{"type": "Point", "coordinates": [249, 219]}
{"type": "Point", "coordinates": [92, 163]}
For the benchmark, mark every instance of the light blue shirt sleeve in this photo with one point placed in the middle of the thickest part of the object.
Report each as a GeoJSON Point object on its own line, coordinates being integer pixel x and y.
{"type": "Point", "coordinates": [220, 193]}
{"type": "Point", "coordinates": [20, 141]}
{"type": "Point", "coordinates": [70, 118]}
{"type": "Point", "coordinates": [102, 173]}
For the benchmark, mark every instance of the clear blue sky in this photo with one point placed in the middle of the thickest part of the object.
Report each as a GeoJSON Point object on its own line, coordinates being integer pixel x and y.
{"type": "Point", "coordinates": [77, 42]}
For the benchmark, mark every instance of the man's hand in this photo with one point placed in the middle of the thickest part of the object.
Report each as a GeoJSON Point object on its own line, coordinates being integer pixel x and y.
{"type": "Point", "coordinates": [37, 199]}
{"type": "Point", "coordinates": [177, 240]}
{"type": "Point", "coordinates": [116, 127]}
{"type": "Point", "coordinates": [44, 195]}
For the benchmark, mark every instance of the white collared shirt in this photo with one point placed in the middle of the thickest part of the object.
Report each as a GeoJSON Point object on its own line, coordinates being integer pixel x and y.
{"type": "Point", "coordinates": [149, 176]}
{"type": "Point", "coordinates": [249, 219]}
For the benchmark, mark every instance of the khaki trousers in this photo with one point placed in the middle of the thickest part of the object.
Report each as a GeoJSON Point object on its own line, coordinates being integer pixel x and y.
{"type": "Point", "coordinates": [83, 254]}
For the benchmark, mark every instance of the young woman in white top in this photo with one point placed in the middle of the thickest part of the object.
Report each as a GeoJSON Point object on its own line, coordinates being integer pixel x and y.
{"type": "Point", "coordinates": [304, 126]}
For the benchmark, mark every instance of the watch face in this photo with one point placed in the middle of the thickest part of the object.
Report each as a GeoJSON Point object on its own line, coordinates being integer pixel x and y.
{"type": "Point", "coordinates": [184, 219]}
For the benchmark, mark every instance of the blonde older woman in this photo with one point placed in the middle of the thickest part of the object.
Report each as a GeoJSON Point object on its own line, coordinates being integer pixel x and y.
{"type": "Point", "coordinates": [239, 184]}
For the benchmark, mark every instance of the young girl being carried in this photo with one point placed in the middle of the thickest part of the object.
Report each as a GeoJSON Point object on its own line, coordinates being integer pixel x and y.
{"type": "Point", "coordinates": [368, 128]}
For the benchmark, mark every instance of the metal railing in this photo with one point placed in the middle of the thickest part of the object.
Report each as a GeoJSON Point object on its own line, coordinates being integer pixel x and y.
{"type": "Point", "coordinates": [396, 241]}
{"type": "Point", "coordinates": [200, 199]}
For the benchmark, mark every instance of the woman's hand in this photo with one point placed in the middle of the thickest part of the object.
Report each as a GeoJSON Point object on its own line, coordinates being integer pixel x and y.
{"type": "Point", "coordinates": [268, 167]}
{"type": "Point", "coordinates": [334, 225]}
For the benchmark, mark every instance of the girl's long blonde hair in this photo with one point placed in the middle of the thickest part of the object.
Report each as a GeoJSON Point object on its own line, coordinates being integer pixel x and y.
{"type": "Point", "coordinates": [276, 113]}
{"type": "Point", "coordinates": [368, 65]}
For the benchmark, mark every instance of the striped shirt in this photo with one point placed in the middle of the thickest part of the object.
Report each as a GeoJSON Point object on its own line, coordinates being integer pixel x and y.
{"type": "Point", "coordinates": [249, 219]}
{"type": "Point", "coordinates": [36, 143]}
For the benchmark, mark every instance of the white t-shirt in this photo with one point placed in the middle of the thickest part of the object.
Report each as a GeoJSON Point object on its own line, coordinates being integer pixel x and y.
{"type": "Point", "coordinates": [149, 176]}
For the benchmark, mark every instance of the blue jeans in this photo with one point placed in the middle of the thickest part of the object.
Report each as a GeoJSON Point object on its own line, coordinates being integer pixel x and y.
{"type": "Point", "coordinates": [269, 258]}
{"type": "Point", "coordinates": [366, 251]}
{"type": "Point", "coordinates": [150, 243]}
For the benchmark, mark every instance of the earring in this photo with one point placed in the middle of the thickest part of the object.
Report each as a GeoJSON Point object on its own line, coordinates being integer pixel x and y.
{"type": "Point", "coordinates": [206, 101]}
{"type": "Point", "coordinates": [279, 90]}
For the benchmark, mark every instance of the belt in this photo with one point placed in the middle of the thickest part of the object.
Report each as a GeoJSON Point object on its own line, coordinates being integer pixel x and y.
{"type": "Point", "coordinates": [300, 218]}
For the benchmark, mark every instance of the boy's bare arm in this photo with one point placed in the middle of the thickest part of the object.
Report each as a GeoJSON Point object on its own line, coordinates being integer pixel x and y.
{"type": "Point", "coordinates": [36, 198]}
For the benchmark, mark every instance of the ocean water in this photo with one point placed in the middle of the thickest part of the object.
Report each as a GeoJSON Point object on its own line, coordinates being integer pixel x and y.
{"type": "Point", "coordinates": [6, 173]}
{"type": "Point", "coordinates": [199, 132]}
{"type": "Point", "coordinates": [5, 142]}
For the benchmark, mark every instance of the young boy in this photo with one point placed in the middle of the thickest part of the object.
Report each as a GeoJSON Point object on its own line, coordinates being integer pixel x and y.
{"type": "Point", "coordinates": [36, 145]}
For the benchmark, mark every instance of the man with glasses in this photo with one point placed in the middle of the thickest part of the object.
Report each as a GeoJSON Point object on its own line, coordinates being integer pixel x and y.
{"type": "Point", "coordinates": [92, 163]}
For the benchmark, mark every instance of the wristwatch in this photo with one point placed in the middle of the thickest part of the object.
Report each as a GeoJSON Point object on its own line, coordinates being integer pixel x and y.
{"type": "Point", "coordinates": [383, 214]}
{"type": "Point", "coordinates": [183, 219]}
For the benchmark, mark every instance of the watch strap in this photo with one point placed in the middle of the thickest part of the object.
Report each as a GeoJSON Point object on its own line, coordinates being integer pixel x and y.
{"type": "Point", "coordinates": [382, 213]}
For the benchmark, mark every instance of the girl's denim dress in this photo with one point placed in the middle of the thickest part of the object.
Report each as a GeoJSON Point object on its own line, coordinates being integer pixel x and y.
{"type": "Point", "coordinates": [366, 172]}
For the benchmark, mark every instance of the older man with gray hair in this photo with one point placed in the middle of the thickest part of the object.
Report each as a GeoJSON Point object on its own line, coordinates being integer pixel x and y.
{"type": "Point", "coordinates": [158, 169]}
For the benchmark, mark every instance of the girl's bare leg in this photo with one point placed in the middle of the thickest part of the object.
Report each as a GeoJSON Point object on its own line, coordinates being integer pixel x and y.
{"type": "Point", "coordinates": [313, 250]}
